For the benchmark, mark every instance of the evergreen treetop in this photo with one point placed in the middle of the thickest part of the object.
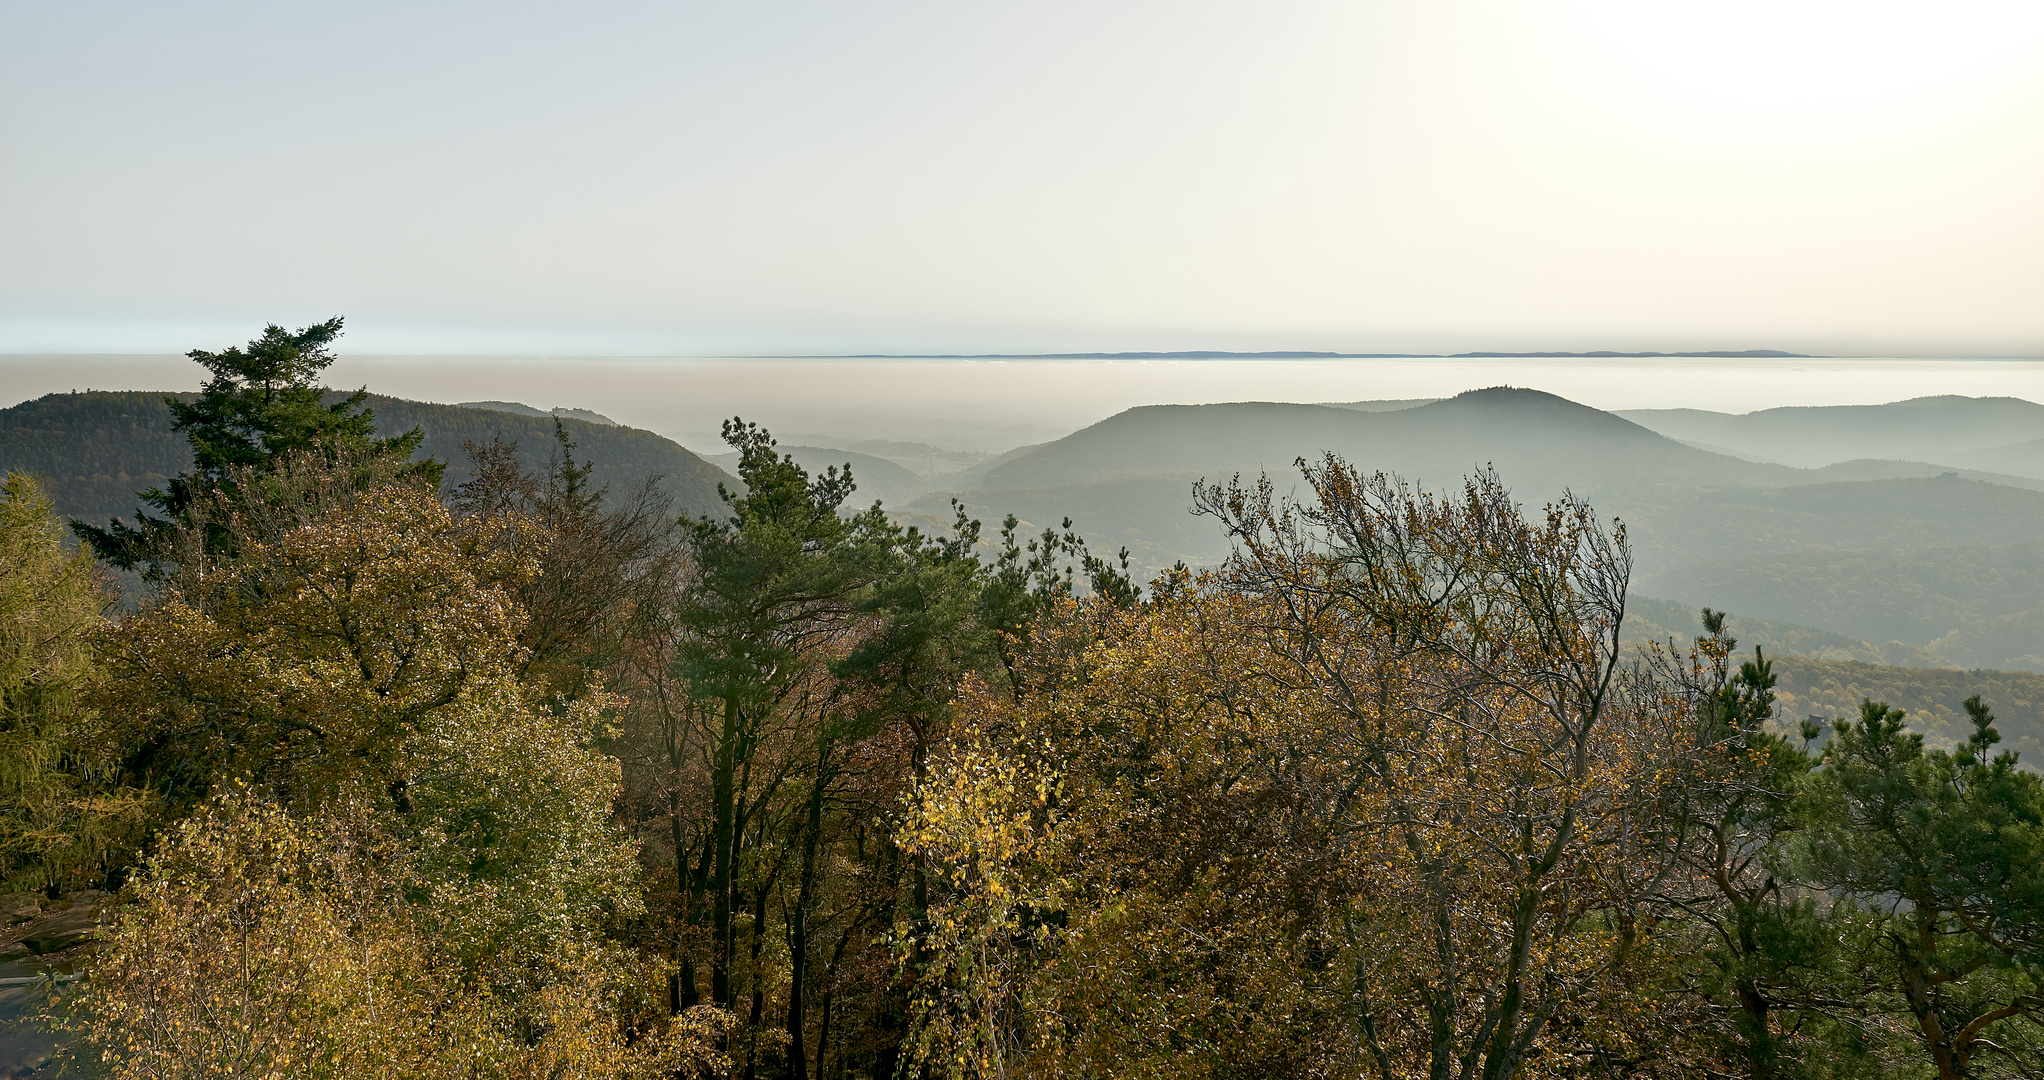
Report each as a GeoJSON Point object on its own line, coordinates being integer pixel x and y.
{"type": "Point", "coordinates": [263, 404]}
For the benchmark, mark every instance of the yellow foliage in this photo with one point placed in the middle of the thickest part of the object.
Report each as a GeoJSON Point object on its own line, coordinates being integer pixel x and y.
{"type": "Point", "coordinates": [61, 819]}
{"type": "Point", "coordinates": [261, 945]}
{"type": "Point", "coordinates": [408, 857]}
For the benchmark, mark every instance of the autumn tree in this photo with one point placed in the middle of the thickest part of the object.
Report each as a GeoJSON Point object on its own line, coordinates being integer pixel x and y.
{"type": "Point", "coordinates": [1474, 656]}
{"type": "Point", "coordinates": [1140, 859]}
{"type": "Point", "coordinates": [606, 564]}
{"type": "Point", "coordinates": [1380, 796]}
{"type": "Point", "coordinates": [257, 942]}
{"type": "Point", "coordinates": [364, 667]}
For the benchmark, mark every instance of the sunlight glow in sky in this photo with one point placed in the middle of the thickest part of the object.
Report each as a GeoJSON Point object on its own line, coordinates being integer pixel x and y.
{"type": "Point", "coordinates": [792, 176]}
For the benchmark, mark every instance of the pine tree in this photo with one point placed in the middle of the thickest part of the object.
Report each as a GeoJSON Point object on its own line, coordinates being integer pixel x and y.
{"type": "Point", "coordinates": [263, 405]}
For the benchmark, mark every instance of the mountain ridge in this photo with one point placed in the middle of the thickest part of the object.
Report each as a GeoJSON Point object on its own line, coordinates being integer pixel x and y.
{"type": "Point", "coordinates": [1218, 354]}
{"type": "Point", "coordinates": [98, 448]}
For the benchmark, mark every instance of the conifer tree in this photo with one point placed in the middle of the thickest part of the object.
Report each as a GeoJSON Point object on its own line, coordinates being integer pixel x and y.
{"type": "Point", "coordinates": [1945, 851]}
{"type": "Point", "coordinates": [264, 404]}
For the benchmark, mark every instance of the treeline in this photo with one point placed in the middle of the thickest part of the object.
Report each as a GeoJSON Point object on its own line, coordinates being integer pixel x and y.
{"type": "Point", "coordinates": [1932, 698]}
{"type": "Point", "coordinates": [528, 778]}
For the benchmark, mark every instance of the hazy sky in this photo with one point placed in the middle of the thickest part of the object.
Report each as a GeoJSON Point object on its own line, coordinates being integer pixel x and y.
{"type": "Point", "coordinates": [1835, 176]}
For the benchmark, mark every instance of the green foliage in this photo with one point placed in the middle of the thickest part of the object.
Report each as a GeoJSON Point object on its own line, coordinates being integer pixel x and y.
{"type": "Point", "coordinates": [264, 402]}
{"type": "Point", "coordinates": [1945, 849]}
{"type": "Point", "coordinates": [879, 478]}
{"type": "Point", "coordinates": [1762, 956]}
{"type": "Point", "coordinates": [60, 827]}
{"type": "Point", "coordinates": [784, 554]}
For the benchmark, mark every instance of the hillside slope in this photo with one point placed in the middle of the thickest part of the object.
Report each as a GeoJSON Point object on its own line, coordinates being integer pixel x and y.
{"type": "Point", "coordinates": [97, 449]}
{"type": "Point", "coordinates": [1677, 524]}
{"type": "Point", "coordinates": [1682, 504]}
{"type": "Point", "coordinates": [2024, 458]}
{"type": "Point", "coordinates": [1975, 606]}
{"type": "Point", "coordinates": [874, 477]}
{"type": "Point", "coordinates": [1826, 676]}
{"type": "Point", "coordinates": [1663, 621]}
{"type": "Point", "coordinates": [1920, 429]}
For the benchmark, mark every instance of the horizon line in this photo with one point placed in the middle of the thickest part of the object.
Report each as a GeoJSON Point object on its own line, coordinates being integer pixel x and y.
{"type": "Point", "coordinates": [1184, 354]}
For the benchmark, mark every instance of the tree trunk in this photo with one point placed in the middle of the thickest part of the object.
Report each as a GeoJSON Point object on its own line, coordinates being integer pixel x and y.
{"type": "Point", "coordinates": [1756, 1012]}
{"type": "Point", "coordinates": [759, 904]}
{"type": "Point", "coordinates": [798, 924]}
{"type": "Point", "coordinates": [724, 845]}
{"type": "Point", "coordinates": [837, 956]}
{"type": "Point", "coordinates": [1755, 1017]}
{"type": "Point", "coordinates": [1501, 1057]}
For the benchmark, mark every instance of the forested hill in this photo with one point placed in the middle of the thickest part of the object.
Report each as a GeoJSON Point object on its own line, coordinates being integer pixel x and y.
{"type": "Point", "coordinates": [1539, 439]}
{"type": "Point", "coordinates": [1930, 698]}
{"type": "Point", "coordinates": [98, 448]}
{"type": "Point", "coordinates": [622, 456]}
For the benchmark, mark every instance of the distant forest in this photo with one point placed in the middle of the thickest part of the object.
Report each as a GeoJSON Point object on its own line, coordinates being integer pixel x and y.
{"type": "Point", "coordinates": [435, 741]}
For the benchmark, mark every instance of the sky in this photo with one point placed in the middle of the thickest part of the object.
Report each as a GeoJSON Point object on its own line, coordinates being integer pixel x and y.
{"type": "Point", "coordinates": [774, 177]}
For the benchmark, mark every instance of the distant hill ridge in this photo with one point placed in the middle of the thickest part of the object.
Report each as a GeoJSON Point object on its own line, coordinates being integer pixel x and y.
{"type": "Point", "coordinates": [1939, 562]}
{"type": "Point", "coordinates": [1211, 354]}
{"type": "Point", "coordinates": [1990, 433]}
{"type": "Point", "coordinates": [98, 448]}
{"type": "Point", "coordinates": [1437, 441]}
{"type": "Point", "coordinates": [523, 409]}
